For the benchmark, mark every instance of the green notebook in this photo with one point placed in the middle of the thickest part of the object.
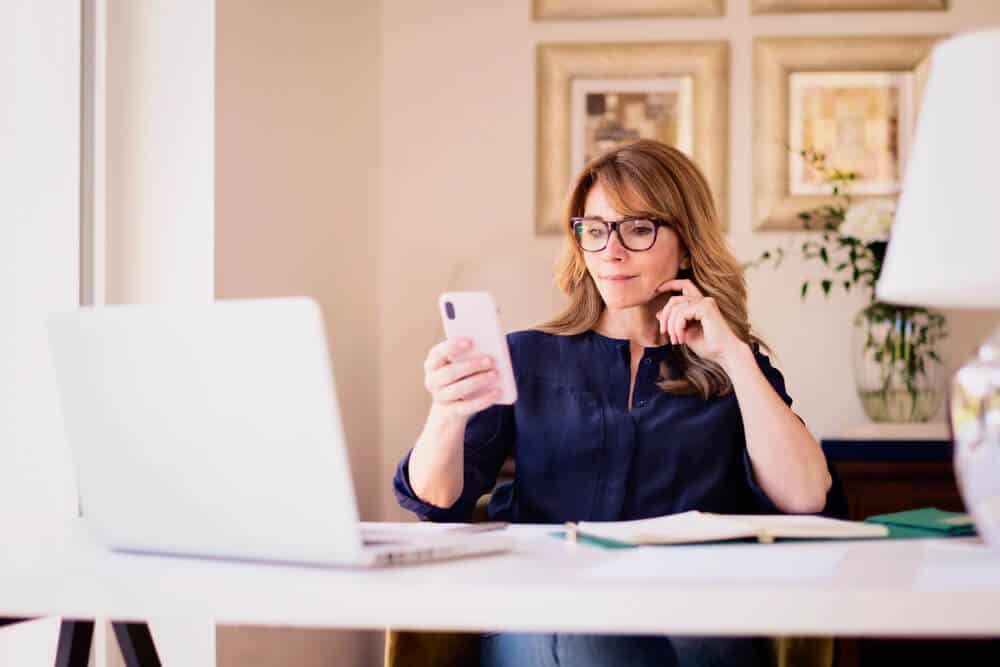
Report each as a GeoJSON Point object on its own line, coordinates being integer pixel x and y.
{"type": "Point", "coordinates": [926, 522]}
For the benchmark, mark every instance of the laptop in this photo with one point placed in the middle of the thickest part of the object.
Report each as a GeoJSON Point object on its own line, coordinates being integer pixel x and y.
{"type": "Point", "coordinates": [213, 430]}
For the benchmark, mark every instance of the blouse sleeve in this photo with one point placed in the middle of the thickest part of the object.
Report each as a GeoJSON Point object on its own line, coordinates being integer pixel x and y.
{"type": "Point", "coordinates": [836, 503]}
{"type": "Point", "coordinates": [489, 436]}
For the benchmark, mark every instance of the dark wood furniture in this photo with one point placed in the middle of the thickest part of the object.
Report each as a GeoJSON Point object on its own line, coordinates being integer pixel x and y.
{"type": "Point", "coordinates": [894, 475]}
{"type": "Point", "coordinates": [881, 476]}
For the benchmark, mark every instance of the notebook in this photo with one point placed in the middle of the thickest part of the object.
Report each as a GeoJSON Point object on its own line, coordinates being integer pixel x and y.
{"type": "Point", "coordinates": [696, 527]}
{"type": "Point", "coordinates": [926, 522]}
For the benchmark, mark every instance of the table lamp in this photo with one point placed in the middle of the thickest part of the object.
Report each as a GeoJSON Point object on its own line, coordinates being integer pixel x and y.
{"type": "Point", "coordinates": [945, 246]}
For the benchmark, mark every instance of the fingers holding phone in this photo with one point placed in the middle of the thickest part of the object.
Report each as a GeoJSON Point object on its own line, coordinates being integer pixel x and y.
{"type": "Point", "coordinates": [475, 355]}
{"type": "Point", "coordinates": [465, 374]}
{"type": "Point", "coordinates": [460, 378]}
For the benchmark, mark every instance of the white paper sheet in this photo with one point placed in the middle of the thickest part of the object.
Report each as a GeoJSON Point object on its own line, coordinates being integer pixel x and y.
{"type": "Point", "coordinates": [951, 566]}
{"type": "Point", "coordinates": [730, 563]}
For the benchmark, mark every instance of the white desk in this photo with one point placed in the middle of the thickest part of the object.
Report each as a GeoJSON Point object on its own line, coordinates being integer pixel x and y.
{"type": "Point", "coordinates": [871, 588]}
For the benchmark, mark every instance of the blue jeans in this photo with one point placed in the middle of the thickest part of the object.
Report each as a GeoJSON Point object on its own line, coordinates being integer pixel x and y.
{"type": "Point", "coordinates": [532, 650]}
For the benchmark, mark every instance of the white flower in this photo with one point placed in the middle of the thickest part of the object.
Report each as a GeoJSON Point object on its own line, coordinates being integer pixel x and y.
{"type": "Point", "coordinates": [869, 221]}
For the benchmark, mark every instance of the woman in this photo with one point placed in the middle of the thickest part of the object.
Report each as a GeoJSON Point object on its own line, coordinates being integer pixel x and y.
{"type": "Point", "coordinates": [647, 396]}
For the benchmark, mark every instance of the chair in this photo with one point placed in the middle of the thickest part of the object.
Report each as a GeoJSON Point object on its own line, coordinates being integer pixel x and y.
{"type": "Point", "coordinates": [461, 649]}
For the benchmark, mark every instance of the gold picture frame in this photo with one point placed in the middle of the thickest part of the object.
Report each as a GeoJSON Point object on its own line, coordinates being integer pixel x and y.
{"type": "Point", "coordinates": [598, 9]}
{"type": "Point", "coordinates": [790, 6]}
{"type": "Point", "coordinates": [561, 68]}
{"type": "Point", "coordinates": [776, 60]}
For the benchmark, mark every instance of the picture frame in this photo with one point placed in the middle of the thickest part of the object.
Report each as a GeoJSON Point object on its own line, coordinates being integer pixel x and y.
{"type": "Point", "coordinates": [828, 70]}
{"type": "Point", "coordinates": [794, 6]}
{"type": "Point", "coordinates": [598, 9]}
{"type": "Point", "coordinates": [861, 121]}
{"type": "Point", "coordinates": [630, 84]}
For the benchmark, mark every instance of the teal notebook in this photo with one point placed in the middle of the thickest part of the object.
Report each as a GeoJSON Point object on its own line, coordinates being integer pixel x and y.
{"type": "Point", "coordinates": [926, 522]}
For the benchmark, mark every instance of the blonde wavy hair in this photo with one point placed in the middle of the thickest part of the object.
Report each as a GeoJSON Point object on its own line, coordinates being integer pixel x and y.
{"type": "Point", "coordinates": [649, 178]}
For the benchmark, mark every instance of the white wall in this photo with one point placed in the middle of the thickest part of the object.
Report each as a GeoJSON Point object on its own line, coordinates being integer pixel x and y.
{"type": "Point", "coordinates": [39, 239]}
{"type": "Point", "coordinates": [458, 165]}
{"type": "Point", "coordinates": [160, 132]}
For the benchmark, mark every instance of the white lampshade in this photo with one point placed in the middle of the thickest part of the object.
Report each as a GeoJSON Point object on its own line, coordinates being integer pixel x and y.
{"type": "Point", "coordinates": [945, 245]}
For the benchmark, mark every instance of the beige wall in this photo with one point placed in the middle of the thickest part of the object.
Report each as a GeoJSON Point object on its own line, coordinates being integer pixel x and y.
{"type": "Point", "coordinates": [298, 178]}
{"type": "Point", "coordinates": [458, 166]}
{"type": "Point", "coordinates": [298, 212]}
{"type": "Point", "coordinates": [373, 155]}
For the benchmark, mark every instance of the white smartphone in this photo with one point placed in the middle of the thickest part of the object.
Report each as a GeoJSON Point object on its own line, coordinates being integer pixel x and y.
{"type": "Point", "coordinates": [475, 315]}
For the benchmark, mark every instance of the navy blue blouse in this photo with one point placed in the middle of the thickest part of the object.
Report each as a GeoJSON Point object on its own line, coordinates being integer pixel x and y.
{"type": "Point", "coordinates": [581, 455]}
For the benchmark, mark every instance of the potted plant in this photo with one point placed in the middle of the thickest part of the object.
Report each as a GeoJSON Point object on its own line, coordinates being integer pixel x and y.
{"type": "Point", "coordinates": [898, 369]}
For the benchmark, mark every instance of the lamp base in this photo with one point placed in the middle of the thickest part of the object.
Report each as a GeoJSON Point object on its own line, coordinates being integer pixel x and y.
{"type": "Point", "coordinates": [975, 424]}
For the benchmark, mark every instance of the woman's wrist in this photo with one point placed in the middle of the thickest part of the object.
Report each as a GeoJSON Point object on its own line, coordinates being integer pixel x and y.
{"type": "Point", "coordinates": [435, 469]}
{"type": "Point", "coordinates": [736, 357]}
{"type": "Point", "coordinates": [442, 419]}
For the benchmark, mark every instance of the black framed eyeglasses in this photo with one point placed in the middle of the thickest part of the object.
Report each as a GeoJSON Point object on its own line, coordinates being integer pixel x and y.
{"type": "Point", "coordinates": [635, 233]}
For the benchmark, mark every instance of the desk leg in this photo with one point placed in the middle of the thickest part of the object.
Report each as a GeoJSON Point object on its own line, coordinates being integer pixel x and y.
{"type": "Point", "coordinates": [136, 644]}
{"type": "Point", "coordinates": [74, 643]}
{"type": "Point", "coordinates": [75, 638]}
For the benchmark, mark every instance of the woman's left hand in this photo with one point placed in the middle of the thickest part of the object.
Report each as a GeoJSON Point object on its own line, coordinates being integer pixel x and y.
{"type": "Point", "coordinates": [693, 319]}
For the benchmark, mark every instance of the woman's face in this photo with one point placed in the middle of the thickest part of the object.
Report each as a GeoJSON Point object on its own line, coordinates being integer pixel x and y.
{"type": "Point", "coordinates": [626, 278]}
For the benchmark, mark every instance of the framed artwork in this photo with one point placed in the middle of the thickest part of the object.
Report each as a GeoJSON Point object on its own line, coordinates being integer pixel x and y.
{"type": "Point", "coordinates": [862, 122]}
{"type": "Point", "coordinates": [853, 99]}
{"type": "Point", "coordinates": [595, 97]}
{"type": "Point", "coordinates": [607, 113]}
{"type": "Point", "coordinates": [595, 9]}
{"type": "Point", "coordinates": [789, 6]}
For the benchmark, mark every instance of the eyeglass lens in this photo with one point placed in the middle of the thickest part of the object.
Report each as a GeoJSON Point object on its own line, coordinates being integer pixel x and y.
{"type": "Point", "coordinates": [592, 235]}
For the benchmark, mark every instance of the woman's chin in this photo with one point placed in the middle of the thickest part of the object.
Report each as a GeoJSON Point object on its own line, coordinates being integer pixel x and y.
{"type": "Point", "coordinates": [622, 301]}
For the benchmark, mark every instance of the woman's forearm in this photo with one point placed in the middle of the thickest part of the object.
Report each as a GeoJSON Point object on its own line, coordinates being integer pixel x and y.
{"type": "Point", "coordinates": [436, 467]}
{"type": "Point", "coordinates": [788, 463]}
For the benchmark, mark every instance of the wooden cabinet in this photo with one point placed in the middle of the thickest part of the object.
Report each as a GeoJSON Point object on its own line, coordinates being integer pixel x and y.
{"type": "Point", "coordinates": [891, 476]}
{"type": "Point", "coordinates": [881, 476]}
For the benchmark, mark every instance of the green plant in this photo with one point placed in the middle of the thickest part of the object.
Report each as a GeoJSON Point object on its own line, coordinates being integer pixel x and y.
{"type": "Point", "coordinates": [897, 343]}
{"type": "Point", "coordinates": [853, 259]}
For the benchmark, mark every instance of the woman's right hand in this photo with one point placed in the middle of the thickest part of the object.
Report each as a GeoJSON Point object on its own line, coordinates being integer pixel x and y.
{"type": "Point", "coordinates": [461, 381]}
